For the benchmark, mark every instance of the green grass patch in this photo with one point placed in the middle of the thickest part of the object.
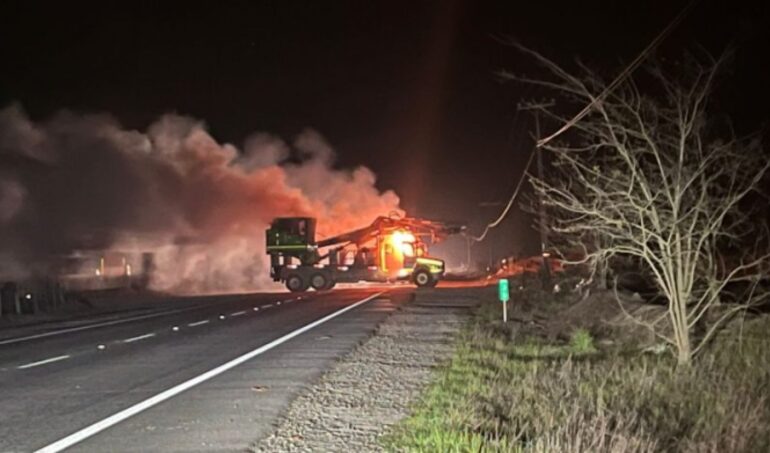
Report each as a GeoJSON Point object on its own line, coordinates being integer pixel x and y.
{"type": "Point", "coordinates": [503, 392]}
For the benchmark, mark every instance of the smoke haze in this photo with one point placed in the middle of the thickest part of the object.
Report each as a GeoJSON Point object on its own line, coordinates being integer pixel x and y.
{"type": "Point", "coordinates": [82, 182]}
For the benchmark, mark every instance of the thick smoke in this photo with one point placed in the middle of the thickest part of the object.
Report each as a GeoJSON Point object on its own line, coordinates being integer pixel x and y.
{"type": "Point", "coordinates": [82, 182]}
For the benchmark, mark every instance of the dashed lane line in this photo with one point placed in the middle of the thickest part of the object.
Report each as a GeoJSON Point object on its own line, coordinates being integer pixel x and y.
{"type": "Point", "coordinates": [92, 326]}
{"type": "Point", "coordinates": [198, 323]}
{"type": "Point", "coordinates": [238, 313]}
{"type": "Point", "coordinates": [43, 362]}
{"type": "Point", "coordinates": [140, 337]}
{"type": "Point", "coordinates": [142, 406]}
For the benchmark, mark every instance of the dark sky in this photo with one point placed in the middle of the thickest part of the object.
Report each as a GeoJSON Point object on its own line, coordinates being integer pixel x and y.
{"type": "Point", "coordinates": [406, 88]}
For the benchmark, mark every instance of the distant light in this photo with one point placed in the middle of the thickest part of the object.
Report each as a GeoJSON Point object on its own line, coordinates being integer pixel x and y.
{"type": "Point", "coordinates": [128, 270]}
{"type": "Point", "coordinates": [98, 272]}
{"type": "Point", "coordinates": [546, 254]}
{"type": "Point", "coordinates": [175, 328]}
{"type": "Point", "coordinates": [221, 316]}
{"type": "Point", "coordinates": [28, 296]}
{"type": "Point", "coordinates": [100, 347]}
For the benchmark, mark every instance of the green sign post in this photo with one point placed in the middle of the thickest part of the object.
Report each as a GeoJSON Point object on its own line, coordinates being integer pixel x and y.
{"type": "Point", "coordinates": [504, 295]}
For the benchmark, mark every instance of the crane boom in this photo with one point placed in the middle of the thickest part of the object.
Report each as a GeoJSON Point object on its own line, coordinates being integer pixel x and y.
{"type": "Point", "coordinates": [384, 225]}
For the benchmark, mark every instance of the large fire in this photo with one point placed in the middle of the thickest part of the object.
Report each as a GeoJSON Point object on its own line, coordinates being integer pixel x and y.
{"type": "Point", "coordinates": [395, 247]}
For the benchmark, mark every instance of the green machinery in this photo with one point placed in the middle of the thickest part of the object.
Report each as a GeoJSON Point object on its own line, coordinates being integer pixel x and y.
{"type": "Point", "coordinates": [390, 249]}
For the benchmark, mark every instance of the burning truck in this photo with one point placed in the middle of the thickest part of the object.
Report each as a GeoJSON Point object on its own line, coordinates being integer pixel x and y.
{"type": "Point", "coordinates": [390, 249]}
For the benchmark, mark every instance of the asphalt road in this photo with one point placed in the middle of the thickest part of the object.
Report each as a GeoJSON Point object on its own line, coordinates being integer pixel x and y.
{"type": "Point", "coordinates": [213, 375]}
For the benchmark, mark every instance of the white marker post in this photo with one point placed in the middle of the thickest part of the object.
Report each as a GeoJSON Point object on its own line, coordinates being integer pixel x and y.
{"type": "Point", "coordinates": [505, 296]}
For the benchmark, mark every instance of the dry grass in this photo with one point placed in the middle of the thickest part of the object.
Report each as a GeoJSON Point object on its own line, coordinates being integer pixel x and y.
{"type": "Point", "coordinates": [505, 391]}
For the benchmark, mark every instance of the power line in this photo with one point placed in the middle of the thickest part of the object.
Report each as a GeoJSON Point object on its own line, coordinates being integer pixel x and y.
{"type": "Point", "coordinates": [623, 75]}
{"type": "Point", "coordinates": [569, 124]}
{"type": "Point", "coordinates": [510, 202]}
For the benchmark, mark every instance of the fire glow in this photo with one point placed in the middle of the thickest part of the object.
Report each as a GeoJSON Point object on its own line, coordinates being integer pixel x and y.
{"type": "Point", "coordinates": [200, 207]}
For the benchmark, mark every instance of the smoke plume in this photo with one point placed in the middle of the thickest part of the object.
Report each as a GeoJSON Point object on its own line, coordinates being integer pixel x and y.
{"type": "Point", "coordinates": [82, 182]}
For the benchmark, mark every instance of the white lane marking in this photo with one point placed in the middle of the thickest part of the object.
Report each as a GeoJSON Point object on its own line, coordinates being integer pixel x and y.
{"type": "Point", "coordinates": [267, 306]}
{"type": "Point", "coordinates": [199, 323]}
{"type": "Point", "coordinates": [238, 313]}
{"type": "Point", "coordinates": [140, 337]}
{"type": "Point", "coordinates": [91, 326]}
{"type": "Point", "coordinates": [142, 406]}
{"type": "Point", "coordinates": [43, 362]}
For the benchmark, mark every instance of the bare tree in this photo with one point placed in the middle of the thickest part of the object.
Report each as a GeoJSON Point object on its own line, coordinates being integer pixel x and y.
{"type": "Point", "coordinates": [645, 175]}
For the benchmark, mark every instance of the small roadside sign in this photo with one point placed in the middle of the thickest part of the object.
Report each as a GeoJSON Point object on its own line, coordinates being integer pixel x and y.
{"type": "Point", "coordinates": [503, 291]}
{"type": "Point", "coordinates": [504, 294]}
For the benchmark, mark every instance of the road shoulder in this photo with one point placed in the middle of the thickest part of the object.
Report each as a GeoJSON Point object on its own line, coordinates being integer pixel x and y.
{"type": "Point", "coordinates": [354, 403]}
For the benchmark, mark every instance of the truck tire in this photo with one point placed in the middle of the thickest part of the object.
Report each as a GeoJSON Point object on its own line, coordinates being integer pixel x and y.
{"type": "Point", "coordinates": [319, 281]}
{"type": "Point", "coordinates": [423, 278]}
{"type": "Point", "coordinates": [295, 283]}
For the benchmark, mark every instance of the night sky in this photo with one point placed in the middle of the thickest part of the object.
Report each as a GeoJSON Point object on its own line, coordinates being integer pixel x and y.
{"type": "Point", "coordinates": [405, 88]}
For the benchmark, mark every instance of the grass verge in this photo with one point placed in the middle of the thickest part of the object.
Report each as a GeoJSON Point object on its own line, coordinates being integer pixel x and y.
{"type": "Point", "coordinates": [504, 391]}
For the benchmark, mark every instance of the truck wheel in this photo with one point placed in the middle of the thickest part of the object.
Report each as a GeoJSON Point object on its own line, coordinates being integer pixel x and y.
{"type": "Point", "coordinates": [319, 281]}
{"type": "Point", "coordinates": [423, 278]}
{"type": "Point", "coordinates": [295, 283]}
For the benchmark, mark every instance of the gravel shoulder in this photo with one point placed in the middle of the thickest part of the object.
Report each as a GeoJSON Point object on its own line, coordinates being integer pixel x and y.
{"type": "Point", "coordinates": [357, 401]}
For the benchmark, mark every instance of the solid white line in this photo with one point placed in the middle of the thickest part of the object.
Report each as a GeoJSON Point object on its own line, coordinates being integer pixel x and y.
{"type": "Point", "coordinates": [90, 326]}
{"type": "Point", "coordinates": [238, 313]}
{"type": "Point", "coordinates": [114, 419]}
{"type": "Point", "coordinates": [140, 337]}
{"type": "Point", "coordinates": [43, 362]}
{"type": "Point", "coordinates": [199, 323]}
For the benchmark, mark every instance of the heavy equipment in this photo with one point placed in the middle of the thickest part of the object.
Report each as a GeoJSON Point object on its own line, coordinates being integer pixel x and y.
{"type": "Point", "coordinates": [392, 248]}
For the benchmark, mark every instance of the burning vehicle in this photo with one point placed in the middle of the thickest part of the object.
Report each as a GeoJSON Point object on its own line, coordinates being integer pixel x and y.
{"type": "Point", "coordinates": [390, 249]}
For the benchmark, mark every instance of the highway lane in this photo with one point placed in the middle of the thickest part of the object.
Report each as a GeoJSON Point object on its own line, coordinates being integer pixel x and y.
{"type": "Point", "coordinates": [53, 386]}
{"type": "Point", "coordinates": [85, 338]}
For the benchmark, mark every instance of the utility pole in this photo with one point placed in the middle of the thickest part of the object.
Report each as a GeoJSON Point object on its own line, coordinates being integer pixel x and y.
{"type": "Point", "coordinates": [545, 270]}
{"type": "Point", "coordinates": [468, 245]}
{"type": "Point", "coordinates": [540, 206]}
{"type": "Point", "coordinates": [489, 204]}
{"type": "Point", "coordinates": [544, 252]}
